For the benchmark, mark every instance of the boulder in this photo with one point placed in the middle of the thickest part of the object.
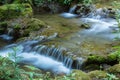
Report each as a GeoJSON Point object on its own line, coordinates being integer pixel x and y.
{"type": "Point", "coordinates": [22, 27]}
{"type": "Point", "coordinates": [115, 70]}
{"type": "Point", "coordinates": [84, 10]}
{"type": "Point", "coordinates": [80, 75]}
{"type": "Point", "coordinates": [97, 75]}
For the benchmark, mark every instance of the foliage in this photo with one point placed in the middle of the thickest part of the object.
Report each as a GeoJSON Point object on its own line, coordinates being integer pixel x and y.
{"type": "Point", "coordinates": [116, 6]}
{"type": "Point", "coordinates": [10, 70]}
{"type": "Point", "coordinates": [111, 77]}
{"type": "Point", "coordinates": [87, 2]}
{"type": "Point", "coordinates": [14, 10]}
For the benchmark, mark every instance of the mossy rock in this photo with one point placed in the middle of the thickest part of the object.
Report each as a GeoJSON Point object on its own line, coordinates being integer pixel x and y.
{"type": "Point", "coordinates": [97, 74]}
{"type": "Point", "coordinates": [36, 24]}
{"type": "Point", "coordinates": [80, 75]}
{"type": "Point", "coordinates": [114, 69]}
{"type": "Point", "coordinates": [110, 59]}
{"type": "Point", "coordinates": [24, 27]}
{"type": "Point", "coordinates": [9, 11]}
{"type": "Point", "coordinates": [95, 59]}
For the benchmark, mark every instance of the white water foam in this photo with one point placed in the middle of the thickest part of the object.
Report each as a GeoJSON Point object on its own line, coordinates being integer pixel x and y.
{"type": "Point", "coordinates": [102, 27]}
{"type": "Point", "coordinates": [34, 58]}
{"type": "Point", "coordinates": [43, 62]}
{"type": "Point", "coordinates": [6, 37]}
{"type": "Point", "coordinates": [68, 15]}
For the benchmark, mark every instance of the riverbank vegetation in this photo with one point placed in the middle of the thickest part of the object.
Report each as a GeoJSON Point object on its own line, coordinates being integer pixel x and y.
{"type": "Point", "coordinates": [28, 19]}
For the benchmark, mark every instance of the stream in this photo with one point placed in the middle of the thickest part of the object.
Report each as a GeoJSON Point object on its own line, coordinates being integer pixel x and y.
{"type": "Point", "coordinates": [95, 40]}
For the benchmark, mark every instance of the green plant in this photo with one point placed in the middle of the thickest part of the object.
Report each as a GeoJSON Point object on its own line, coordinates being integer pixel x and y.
{"type": "Point", "coordinates": [111, 77]}
{"type": "Point", "coordinates": [116, 6]}
{"type": "Point", "coordinates": [87, 2]}
{"type": "Point", "coordinates": [10, 70]}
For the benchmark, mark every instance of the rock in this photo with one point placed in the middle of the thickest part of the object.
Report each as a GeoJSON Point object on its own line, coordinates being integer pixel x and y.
{"type": "Point", "coordinates": [86, 26]}
{"type": "Point", "coordinates": [22, 27]}
{"type": "Point", "coordinates": [80, 75]}
{"type": "Point", "coordinates": [115, 70]}
{"type": "Point", "coordinates": [110, 59]}
{"type": "Point", "coordinates": [15, 10]}
{"type": "Point", "coordinates": [84, 10]}
{"type": "Point", "coordinates": [97, 75]}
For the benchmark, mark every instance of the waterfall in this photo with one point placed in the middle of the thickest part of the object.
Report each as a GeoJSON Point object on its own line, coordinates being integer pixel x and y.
{"type": "Point", "coordinates": [44, 57]}
{"type": "Point", "coordinates": [72, 9]}
{"type": "Point", "coordinates": [70, 13]}
{"type": "Point", "coordinates": [7, 36]}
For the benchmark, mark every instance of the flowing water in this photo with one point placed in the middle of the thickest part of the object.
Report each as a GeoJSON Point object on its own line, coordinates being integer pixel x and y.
{"type": "Point", "coordinates": [98, 38]}
{"type": "Point", "coordinates": [43, 57]}
{"type": "Point", "coordinates": [86, 41]}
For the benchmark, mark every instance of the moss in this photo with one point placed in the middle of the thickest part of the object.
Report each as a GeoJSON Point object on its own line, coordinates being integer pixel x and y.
{"type": "Point", "coordinates": [114, 69]}
{"type": "Point", "coordinates": [36, 24]}
{"type": "Point", "coordinates": [96, 59]}
{"type": "Point", "coordinates": [112, 57]}
{"type": "Point", "coordinates": [9, 11]}
{"type": "Point", "coordinates": [97, 74]}
{"type": "Point", "coordinates": [80, 75]}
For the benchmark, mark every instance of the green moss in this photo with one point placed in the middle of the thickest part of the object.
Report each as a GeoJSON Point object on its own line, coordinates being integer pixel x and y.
{"type": "Point", "coordinates": [96, 59]}
{"type": "Point", "coordinates": [15, 10]}
{"type": "Point", "coordinates": [114, 69]}
{"type": "Point", "coordinates": [112, 57]}
{"type": "Point", "coordinates": [80, 75]}
{"type": "Point", "coordinates": [97, 74]}
{"type": "Point", "coordinates": [36, 24]}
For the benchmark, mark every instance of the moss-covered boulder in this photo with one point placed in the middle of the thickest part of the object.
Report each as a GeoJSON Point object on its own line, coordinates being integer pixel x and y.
{"type": "Point", "coordinates": [97, 74]}
{"type": "Point", "coordinates": [80, 75]}
{"type": "Point", "coordinates": [95, 59]}
{"type": "Point", "coordinates": [35, 24]}
{"type": "Point", "coordinates": [110, 59]}
{"type": "Point", "coordinates": [114, 69]}
{"type": "Point", "coordinates": [24, 27]}
{"type": "Point", "coordinates": [9, 11]}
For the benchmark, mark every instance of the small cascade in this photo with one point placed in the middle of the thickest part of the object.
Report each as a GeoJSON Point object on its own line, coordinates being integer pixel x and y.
{"type": "Point", "coordinates": [7, 36]}
{"type": "Point", "coordinates": [72, 9]}
{"type": "Point", "coordinates": [70, 13]}
{"type": "Point", "coordinates": [10, 31]}
{"type": "Point", "coordinates": [44, 57]}
{"type": "Point", "coordinates": [56, 54]}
